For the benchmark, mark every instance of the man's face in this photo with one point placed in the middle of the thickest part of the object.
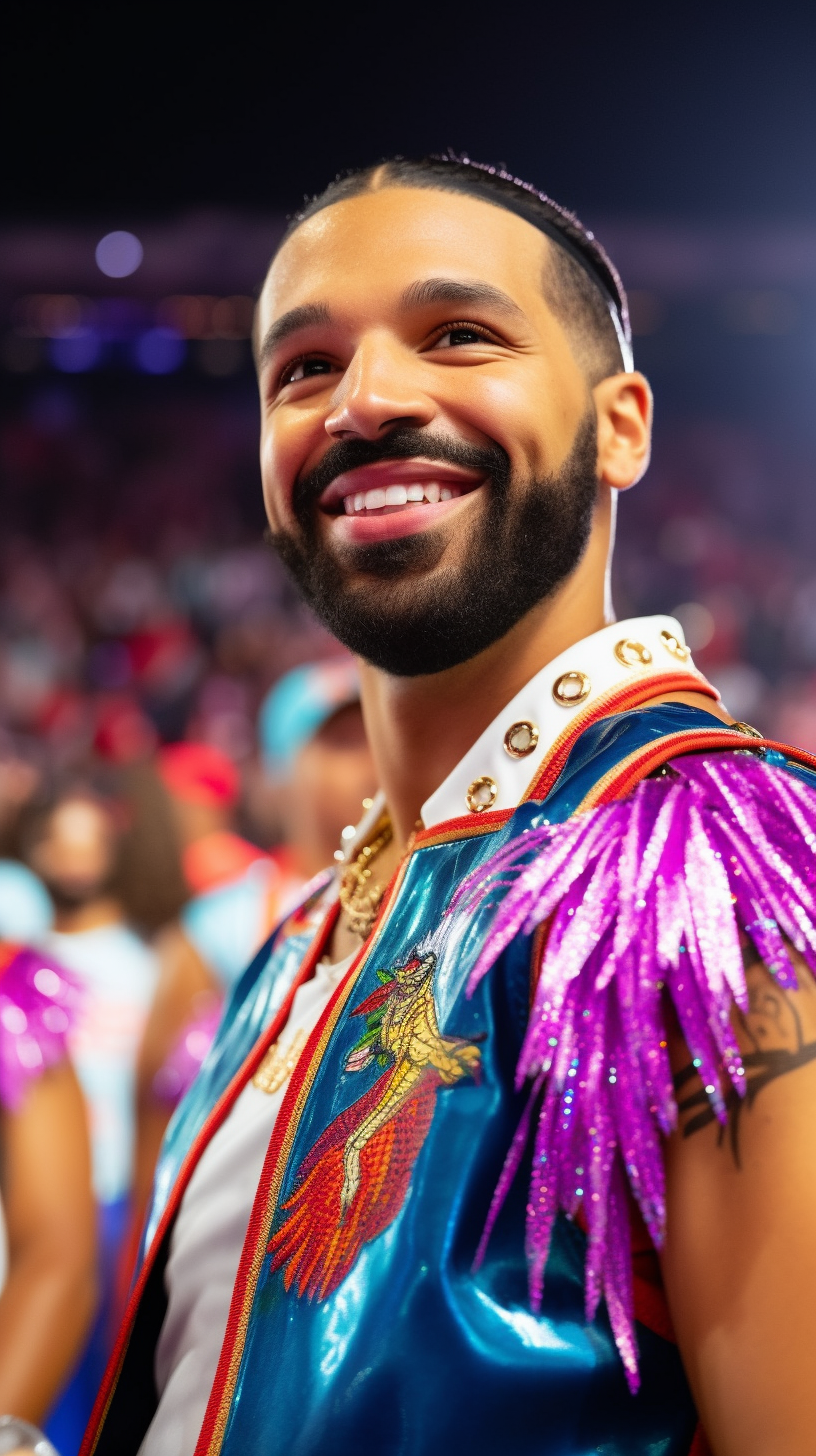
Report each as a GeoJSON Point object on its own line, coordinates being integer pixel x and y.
{"type": "Point", "coordinates": [428, 440]}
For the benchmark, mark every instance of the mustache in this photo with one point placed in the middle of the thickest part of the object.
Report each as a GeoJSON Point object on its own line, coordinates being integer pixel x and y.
{"type": "Point", "coordinates": [403, 443]}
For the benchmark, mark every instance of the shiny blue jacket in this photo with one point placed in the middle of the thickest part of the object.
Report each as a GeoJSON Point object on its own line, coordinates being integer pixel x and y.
{"type": "Point", "coordinates": [359, 1323]}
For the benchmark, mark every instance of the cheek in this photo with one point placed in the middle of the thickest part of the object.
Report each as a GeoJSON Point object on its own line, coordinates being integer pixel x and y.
{"type": "Point", "coordinates": [528, 412]}
{"type": "Point", "coordinates": [288, 441]}
{"type": "Point", "coordinates": [273, 476]}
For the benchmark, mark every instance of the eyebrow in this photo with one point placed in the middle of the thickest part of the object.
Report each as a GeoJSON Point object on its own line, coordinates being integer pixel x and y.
{"type": "Point", "coordinates": [422, 294]}
{"type": "Point", "coordinates": [302, 317]}
{"type": "Point", "coordinates": [452, 290]}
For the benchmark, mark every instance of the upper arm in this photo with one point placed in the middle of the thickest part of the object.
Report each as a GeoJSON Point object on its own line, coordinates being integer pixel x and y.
{"type": "Point", "coordinates": [47, 1301]}
{"type": "Point", "coordinates": [47, 1196]}
{"type": "Point", "coordinates": [740, 1255]}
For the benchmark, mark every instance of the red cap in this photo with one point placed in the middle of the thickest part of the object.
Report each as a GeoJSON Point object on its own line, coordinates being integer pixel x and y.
{"type": "Point", "coordinates": [216, 859]}
{"type": "Point", "coordinates": [200, 774]}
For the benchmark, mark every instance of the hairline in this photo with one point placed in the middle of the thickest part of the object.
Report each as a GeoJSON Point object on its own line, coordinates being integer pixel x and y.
{"type": "Point", "coordinates": [380, 180]}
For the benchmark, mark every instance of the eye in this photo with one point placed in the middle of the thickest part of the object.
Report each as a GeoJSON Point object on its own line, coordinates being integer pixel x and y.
{"type": "Point", "coordinates": [305, 368]}
{"type": "Point", "coordinates": [455, 336]}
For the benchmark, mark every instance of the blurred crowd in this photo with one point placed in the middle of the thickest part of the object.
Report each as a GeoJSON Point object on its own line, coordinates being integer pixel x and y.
{"type": "Point", "coordinates": [130, 902]}
{"type": "Point", "coordinates": [722, 534]}
{"type": "Point", "coordinates": [181, 746]}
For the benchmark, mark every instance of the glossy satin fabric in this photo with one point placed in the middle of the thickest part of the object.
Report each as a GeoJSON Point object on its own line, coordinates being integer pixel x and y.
{"type": "Point", "coordinates": [414, 1352]}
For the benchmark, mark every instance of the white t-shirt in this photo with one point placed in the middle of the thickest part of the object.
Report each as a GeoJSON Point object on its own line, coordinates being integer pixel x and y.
{"type": "Point", "coordinates": [119, 973]}
{"type": "Point", "coordinates": [209, 1233]}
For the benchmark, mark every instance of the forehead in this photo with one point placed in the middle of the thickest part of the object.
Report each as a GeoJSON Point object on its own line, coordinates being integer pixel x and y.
{"type": "Point", "coordinates": [373, 246]}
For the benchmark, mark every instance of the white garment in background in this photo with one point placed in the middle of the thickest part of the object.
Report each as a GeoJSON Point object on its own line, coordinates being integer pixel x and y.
{"type": "Point", "coordinates": [206, 1243]}
{"type": "Point", "coordinates": [119, 973]}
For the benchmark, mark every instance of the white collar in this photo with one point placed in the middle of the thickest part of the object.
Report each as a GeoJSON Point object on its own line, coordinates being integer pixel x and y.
{"type": "Point", "coordinates": [594, 666]}
{"type": "Point", "coordinates": [637, 649]}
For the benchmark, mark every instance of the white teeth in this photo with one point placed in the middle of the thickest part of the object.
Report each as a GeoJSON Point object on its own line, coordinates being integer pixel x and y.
{"type": "Point", "coordinates": [399, 495]}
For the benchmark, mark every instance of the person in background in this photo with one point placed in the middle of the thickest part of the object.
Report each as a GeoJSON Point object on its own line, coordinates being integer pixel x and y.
{"type": "Point", "coordinates": [201, 786]}
{"type": "Point", "coordinates": [47, 1224]}
{"type": "Point", "coordinates": [315, 753]}
{"type": "Point", "coordinates": [26, 908]}
{"type": "Point", "coordinates": [235, 886]}
{"type": "Point", "coordinates": [72, 842]}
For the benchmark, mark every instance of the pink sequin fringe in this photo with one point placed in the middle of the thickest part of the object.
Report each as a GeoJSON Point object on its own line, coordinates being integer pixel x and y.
{"type": "Point", "coordinates": [645, 899]}
{"type": "Point", "coordinates": [39, 1001]}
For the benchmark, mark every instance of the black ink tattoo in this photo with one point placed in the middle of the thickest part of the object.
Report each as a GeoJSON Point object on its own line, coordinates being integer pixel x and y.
{"type": "Point", "coordinates": [772, 1028]}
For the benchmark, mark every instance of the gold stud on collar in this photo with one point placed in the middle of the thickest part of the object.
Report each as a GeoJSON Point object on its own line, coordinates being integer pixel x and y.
{"type": "Point", "coordinates": [632, 654]}
{"type": "Point", "coordinates": [520, 739]}
{"type": "Point", "coordinates": [481, 794]}
{"type": "Point", "coordinates": [571, 688]}
{"type": "Point", "coordinates": [673, 645]}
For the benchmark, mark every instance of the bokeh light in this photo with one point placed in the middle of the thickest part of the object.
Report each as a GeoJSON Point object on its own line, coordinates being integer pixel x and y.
{"type": "Point", "coordinates": [75, 351]}
{"type": "Point", "coordinates": [159, 351]}
{"type": "Point", "coordinates": [119, 254]}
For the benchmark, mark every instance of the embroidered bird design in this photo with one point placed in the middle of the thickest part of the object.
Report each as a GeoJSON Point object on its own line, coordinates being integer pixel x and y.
{"type": "Point", "coordinates": [354, 1181]}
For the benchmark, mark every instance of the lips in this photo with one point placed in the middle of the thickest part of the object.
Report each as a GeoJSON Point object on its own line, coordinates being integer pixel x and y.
{"type": "Point", "coordinates": [410, 494]}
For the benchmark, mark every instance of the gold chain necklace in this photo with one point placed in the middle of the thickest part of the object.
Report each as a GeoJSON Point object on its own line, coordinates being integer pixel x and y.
{"type": "Point", "coordinates": [359, 898]}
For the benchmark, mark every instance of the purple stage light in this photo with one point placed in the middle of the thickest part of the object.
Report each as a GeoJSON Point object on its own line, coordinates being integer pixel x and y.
{"type": "Point", "coordinates": [159, 351]}
{"type": "Point", "coordinates": [119, 254]}
{"type": "Point", "coordinates": [75, 351]}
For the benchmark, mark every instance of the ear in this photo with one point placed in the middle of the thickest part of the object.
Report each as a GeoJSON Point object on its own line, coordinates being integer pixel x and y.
{"type": "Point", "coordinates": [623, 403]}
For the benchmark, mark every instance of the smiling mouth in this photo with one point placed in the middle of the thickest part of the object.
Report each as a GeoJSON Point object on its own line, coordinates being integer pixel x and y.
{"type": "Point", "coordinates": [394, 486]}
{"type": "Point", "coordinates": [384, 500]}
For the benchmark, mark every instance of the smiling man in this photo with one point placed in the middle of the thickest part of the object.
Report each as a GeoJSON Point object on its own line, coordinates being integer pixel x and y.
{"type": "Point", "coordinates": [506, 1141]}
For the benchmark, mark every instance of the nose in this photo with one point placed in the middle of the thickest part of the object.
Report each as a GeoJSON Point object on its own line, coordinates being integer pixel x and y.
{"type": "Point", "coordinates": [378, 390]}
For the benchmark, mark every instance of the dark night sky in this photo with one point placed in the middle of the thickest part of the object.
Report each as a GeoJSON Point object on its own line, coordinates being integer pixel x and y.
{"type": "Point", "coordinates": [697, 110]}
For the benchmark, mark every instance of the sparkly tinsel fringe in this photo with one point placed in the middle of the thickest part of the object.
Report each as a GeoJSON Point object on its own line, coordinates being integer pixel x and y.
{"type": "Point", "coordinates": [645, 898]}
{"type": "Point", "coordinates": [39, 1001]}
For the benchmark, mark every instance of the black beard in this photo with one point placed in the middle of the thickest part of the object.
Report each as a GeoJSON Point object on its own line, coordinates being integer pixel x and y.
{"type": "Point", "coordinates": [411, 620]}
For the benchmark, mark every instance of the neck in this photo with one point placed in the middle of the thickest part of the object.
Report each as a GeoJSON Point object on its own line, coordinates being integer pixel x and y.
{"type": "Point", "coordinates": [420, 727]}
{"type": "Point", "coordinates": [71, 920]}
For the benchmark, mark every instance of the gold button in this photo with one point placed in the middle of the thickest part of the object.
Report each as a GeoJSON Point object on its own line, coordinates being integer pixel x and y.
{"type": "Point", "coordinates": [571, 688]}
{"type": "Point", "coordinates": [481, 794]}
{"type": "Point", "coordinates": [673, 645]}
{"type": "Point", "coordinates": [521, 739]}
{"type": "Point", "coordinates": [632, 654]}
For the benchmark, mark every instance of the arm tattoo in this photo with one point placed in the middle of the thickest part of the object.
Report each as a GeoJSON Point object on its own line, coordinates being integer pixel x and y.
{"type": "Point", "coordinates": [773, 1041]}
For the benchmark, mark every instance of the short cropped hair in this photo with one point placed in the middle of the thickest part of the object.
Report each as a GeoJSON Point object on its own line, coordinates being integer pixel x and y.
{"type": "Point", "coordinates": [580, 284]}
